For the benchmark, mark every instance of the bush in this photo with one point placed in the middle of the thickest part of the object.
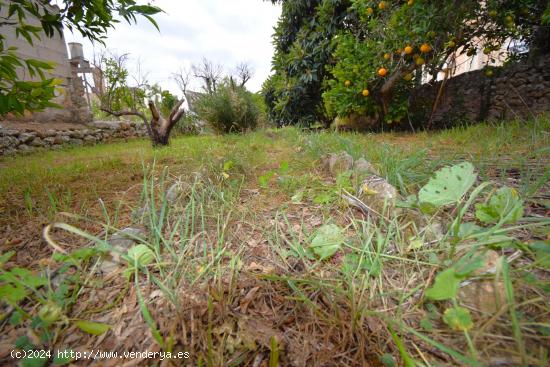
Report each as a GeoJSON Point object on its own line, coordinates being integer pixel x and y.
{"type": "Point", "coordinates": [229, 109]}
{"type": "Point", "coordinates": [263, 119]}
{"type": "Point", "coordinates": [188, 125]}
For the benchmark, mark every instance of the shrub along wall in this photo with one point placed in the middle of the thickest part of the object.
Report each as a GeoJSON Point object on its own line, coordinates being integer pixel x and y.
{"type": "Point", "coordinates": [19, 141]}
{"type": "Point", "coordinates": [520, 90]}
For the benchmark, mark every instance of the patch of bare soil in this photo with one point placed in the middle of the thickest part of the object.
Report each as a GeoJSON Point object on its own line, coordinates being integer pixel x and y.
{"type": "Point", "coordinates": [244, 312]}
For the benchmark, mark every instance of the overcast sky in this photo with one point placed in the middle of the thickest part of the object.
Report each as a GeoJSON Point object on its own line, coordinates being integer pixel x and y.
{"type": "Point", "coordinates": [226, 32]}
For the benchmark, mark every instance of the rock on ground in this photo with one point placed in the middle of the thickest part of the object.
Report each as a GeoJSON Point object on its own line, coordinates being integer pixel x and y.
{"type": "Point", "coordinates": [485, 295]}
{"type": "Point", "coordinates": [336, 163]}
{"type": "Point", "coordinates": [362, 168]}
{"type": "Point", "coordinates": [376, 193]}
{"type": "Point", "coordinates": [121, 242]}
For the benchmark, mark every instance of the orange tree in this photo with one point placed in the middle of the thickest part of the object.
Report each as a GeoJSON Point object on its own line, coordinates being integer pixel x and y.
{"type": "Point", "coordinates": [376, 51]}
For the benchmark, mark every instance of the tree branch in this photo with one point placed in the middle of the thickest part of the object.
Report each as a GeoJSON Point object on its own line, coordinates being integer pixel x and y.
{"type": "Point", "coordinates": [176, 110]}
{"type": "Point", "coordinates": [130, 113]}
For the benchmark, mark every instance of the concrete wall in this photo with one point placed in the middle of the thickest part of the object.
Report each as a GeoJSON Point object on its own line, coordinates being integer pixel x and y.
{"type": "Point", "coordinates": [519, 90]}
{"type": "Point", "coordinates": [53, 50]}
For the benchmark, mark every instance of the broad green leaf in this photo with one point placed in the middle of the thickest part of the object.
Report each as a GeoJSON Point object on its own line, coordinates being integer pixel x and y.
{"type": "Point", "coordinates": [445, 286]}
{"type": "Point", "coordinates": [327, 241]}
{"type": "Point", "coordinates": [141, 255]}
{"type": "Point", "coordinates": [467, 229]}
{"type": "Point", "coordinates": [449, 185]}
{"type": "Point", "coordinates": [458, 318]}
{"type": "Point", "coordinates": [28, 278]}
{"type": "Point", "coordinates": [39, 361]}
{"type": "Point", "coordinates": [468, 264]}
{"type": "Point", "coordinates": [323, 198]}
{"type": "Point", "coordinates": [505, 203]}
{"type": "Point", "coordinates": [94, 328]}
{"type": "Point", "coordinates": [138, 256]}
{"type": "Point", "coordinates": [12, 293]}
{"type": "Point", "coordinates": [24, 342]}
{"type": "Point", "coordinates": [63, 358]}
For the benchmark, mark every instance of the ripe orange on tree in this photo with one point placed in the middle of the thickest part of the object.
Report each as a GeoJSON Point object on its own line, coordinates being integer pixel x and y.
{"type": "Point", "coordinates": [382, 72]}
{"type": "Point", "coordinates": [410, 2]}
{"type": "Point", "coordinates": [365, 92]}
{"type": "Point", "coordinates": [408, 50]}
{"type": "Point", "coordinates": [425, 48]}
{"type": "Point", "coordinates": [347, 83]}
{"type": "Point", "coordinates": [370, 11]}
{"type": "Point", "coordinates": [382, 5]}
{"type": "Point", "coordinates": [387, 56]}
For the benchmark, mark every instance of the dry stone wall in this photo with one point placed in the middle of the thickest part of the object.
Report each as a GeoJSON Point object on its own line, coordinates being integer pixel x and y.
{"type": "Point", "coordinates": [518, 91]}
{"type": "Point", "coordinates": [14, 141]}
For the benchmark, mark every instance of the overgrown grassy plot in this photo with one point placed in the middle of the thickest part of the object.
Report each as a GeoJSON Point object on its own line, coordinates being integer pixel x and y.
{"type": "Point", "coordinates": [248, 264]}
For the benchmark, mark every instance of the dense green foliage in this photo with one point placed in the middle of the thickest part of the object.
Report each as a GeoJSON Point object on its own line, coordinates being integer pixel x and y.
{"type": "Point", "coordinates": [230, 108]}
{"type": "Point", "coordinates": [303, 49]}
{"type": "Point", "coordinates": [342, 57]}
{"type": "Point", "coordinates": [91, 18]}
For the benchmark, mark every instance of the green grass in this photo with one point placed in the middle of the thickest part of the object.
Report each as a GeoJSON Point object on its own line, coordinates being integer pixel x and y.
{"type": "Point", "coordinates": [233, 279]}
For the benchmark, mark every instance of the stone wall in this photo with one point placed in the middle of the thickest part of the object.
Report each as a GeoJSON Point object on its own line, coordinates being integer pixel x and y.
{"type": "Point", "coordinates": [520, 90]}
{"type": "Point", "coordinates": [14, 141]}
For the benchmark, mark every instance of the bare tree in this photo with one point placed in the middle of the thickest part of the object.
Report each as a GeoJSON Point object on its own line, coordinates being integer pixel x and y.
{"type": "Point", "coordinates": [210, 74]}
{"type": "Point", "coordinates": [158, 127]}
{"type": "Point", "coordinates": [182, 78]}
{"type": "Point", "coordinates": [243, 73]}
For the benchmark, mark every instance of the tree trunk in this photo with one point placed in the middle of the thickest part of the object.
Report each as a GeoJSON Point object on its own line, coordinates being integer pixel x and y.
{"type": "Point", "coordinates": [159, 128]}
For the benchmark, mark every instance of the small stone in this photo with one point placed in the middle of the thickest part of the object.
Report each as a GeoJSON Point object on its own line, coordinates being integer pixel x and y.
{"type": "Point", "coordinates": [25, 148]}
{"type": "Point", "coordinates": [25, 138]}
{"type": "Point", "coordinates": [8, 142]}
{"type": "Point", "coordinates": [362, 167]}
{"type": "Point", "coordinates": [121, 242]}
{"type": "Point", "coordinates": [50, 140]}
{"type": "Point", "coordinates": [90, 139]}
{"type": "Point", "coordinates": [485, 295]}
{"type": "Point", "coordinates": [74, 141]}
{"type": "Point", "coordinates": [376, 193]}
{"type": "Point", "coordinates": [176, 191]}
{"type": "Point", "coordinates": [338, 163]}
